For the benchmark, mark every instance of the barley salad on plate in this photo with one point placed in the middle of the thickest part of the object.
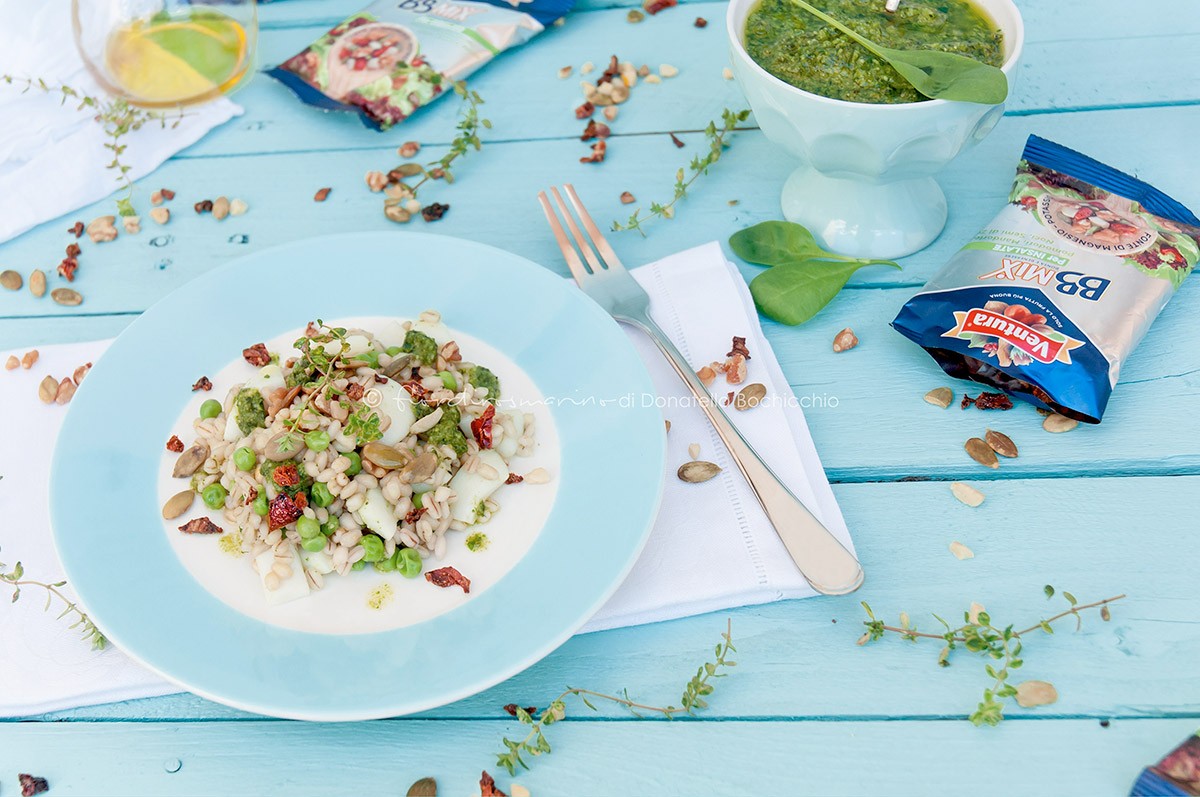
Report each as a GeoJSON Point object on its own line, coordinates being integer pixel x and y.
{"type": "Point", "coordinates": [351, 449]}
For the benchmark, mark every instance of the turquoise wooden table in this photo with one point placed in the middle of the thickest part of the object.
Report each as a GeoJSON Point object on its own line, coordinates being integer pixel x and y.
{"type": "Point", "coordinates": [1098, 511]}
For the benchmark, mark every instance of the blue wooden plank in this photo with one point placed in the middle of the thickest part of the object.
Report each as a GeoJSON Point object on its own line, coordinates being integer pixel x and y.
{"type": "Point", "coordinates": [594, 758]}
{"type": "Point", "coordinates": [799, 658]}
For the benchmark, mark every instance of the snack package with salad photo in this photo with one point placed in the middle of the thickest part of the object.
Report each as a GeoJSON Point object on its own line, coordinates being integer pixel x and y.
{"type": "Point", "coordinates": [394, 57]}
{"type": "Point", "coordinates": [1048, 301]}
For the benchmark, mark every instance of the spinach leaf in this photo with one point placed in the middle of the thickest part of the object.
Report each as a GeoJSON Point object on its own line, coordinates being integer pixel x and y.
{"type": "Point", "coordinates": [794, 292]}
{"type": "Point", "coordinates": [937, 75]}
{"type": "Point", "coordinates": [774, 243]}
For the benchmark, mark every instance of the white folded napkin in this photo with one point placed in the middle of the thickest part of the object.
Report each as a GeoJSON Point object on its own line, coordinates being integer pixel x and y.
{"type": "Point", "coordinates": [711, 547]}
{"type": "Point", "coordinates": [52, 156]}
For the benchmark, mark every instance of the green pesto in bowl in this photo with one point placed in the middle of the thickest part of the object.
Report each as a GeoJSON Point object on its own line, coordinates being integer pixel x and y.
{"type": "Point", "coordinates": [800, 49]}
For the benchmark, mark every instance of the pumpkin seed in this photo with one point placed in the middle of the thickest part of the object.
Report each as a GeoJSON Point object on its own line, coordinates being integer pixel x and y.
{"type": "Point", "coordinates": [940, 397]}
{"type": "Point", "coordinates": [961, 551]}
{"type": "Point", "coordinates": [981, 452]}
{"type": "Point", "coordinates": [66, 297]}
{"type": "Point", "coordinates": [37, 283]}
{"type": "Point", "coordinates": [177, 504]}
{"type": "Point", "coordinates": [284, 446]}
{"type": "Point", "coordinates": [966, 493]}
{"type": "Point", "coordinates": [190, 461]}
{"type": "Point", "coordinates": [697, 471]}
{"type": "Point", "coordinates": [11, 279]}
{"type": "Point", "coordinates": [1056, 424]}
{"type": "Point", "coordinates": [750, 396]}
{"type": "Point", "coordinates": [421, 468]}
{"type": "Point", "coordinates": [694, 451]}
{"type": "Point", "coordinates": [1001, 443]}
{"type": "Point", "coordinates": [48, 389]}
{"type": "Point", "coordinates": [66, 391]}
{"type": "Point", "coordinates": [537, 476]}
{"type": "Point", "coordinates": [1036, 693]}
{"type": "Point", "coordinates": [425, 787]}
{"type": "Point", "coordinates": [384, 455]}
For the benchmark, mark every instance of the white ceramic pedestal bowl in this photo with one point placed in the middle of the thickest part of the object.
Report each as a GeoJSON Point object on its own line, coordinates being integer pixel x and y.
{"type": "Point", "coordinates": [865, 185]}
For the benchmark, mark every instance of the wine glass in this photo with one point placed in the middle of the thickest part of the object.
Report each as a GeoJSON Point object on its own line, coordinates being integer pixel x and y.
{"type": "Point", "coordinates": [166, 53]}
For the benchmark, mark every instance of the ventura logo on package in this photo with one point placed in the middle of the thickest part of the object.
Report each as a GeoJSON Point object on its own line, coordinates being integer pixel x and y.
{"type": "Point", "coordinates": [1043, 346]}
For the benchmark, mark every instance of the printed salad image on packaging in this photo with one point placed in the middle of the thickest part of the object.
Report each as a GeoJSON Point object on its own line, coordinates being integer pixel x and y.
{"type": "Point", "coordinates": [1048, 301]}
{"type": "Point", "coordinates": [398, 55]}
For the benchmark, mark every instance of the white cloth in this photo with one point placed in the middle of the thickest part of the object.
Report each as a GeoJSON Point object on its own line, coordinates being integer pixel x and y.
{"type": "Point", "coordinates": [711, 547]}
{"type": "Point", "coordinates": [52, 156]}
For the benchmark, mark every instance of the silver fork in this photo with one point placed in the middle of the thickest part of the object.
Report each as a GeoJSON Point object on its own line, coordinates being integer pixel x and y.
{"type": "Point", "coordinates": [822, 559]}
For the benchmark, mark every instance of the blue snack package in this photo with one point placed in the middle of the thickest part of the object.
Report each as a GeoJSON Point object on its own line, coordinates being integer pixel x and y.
{"type": "Point", "coordinates": [398, 55]}
{"type": "Point", "coordinates": [1048, 301]}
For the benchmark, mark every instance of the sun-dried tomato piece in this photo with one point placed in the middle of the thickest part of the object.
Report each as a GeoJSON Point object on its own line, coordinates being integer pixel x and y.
{"type": "Point", "coordinates": [203, 383]}
{"type": "Point", "coordinates": [701, 22]}
{"type": "Point", "coordinates": [286, 475]}
{"type": "Point", "coordinates": [355, 391]}
{"type": "Point", "coordinates": [511, 708]}
{"type": "Point", "coordinates": [31, 785]}
{"type": "Point", "coordinates": [481, 427]}
{"type": "Point", "coordinates": [729, 398]}
{"type": "Point", "coordinates": [415, 389]}
{"type": "Point", "coordinates": [599, 150]}
{"type": "Point", "coordinates": [301, 500]}
{"type": "Point", "coordinates": [487, 786]}
{"type": "Point", "coordinates": [514, 478]}
{"type": "Point", "coordinates": [175, 444]}
{"type": "Point", "coordinates": [585, 110]}
{"type": "Point", "coordinates": [595, 129]}
{"type": "Point", "coordinates": [414, 514]}
{"type": "Point", "coordinates": [654, 6]}
{"type": "Point", "coordinates": [738, 347]}
{"type": "Point", "coordinates": [448, 577]}
{"type": "Point", "coordinates": [76, 229]}
{"type": "Point", "coordinates": [257, 355]}
{"type": "Point", "coordinates": [676, 141]}
{"type": "Point", "coordinates": [434, 211]}
{"type": "Point", "coordinates": [283, 510]}
{"type": "Point", "coordinates": [251, 495]}
{"type": "Point", "coordinates": [200, 525]}
{"type": "Point", "coordinates": [987, 401]}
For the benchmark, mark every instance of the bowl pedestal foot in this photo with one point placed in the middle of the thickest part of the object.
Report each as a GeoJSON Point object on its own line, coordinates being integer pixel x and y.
{"type": "Point", "coordinates": [860, 218]}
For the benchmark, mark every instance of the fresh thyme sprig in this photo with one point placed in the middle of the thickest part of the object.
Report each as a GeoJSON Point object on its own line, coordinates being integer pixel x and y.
{"type": "Point", "coordinates": [979, 635]}
{"type": "Point", "coordinates": [88, 630]}
{"type": "Point", "coordinates": [694, 692]}
{"type": "Point", "coordinates": [116, 116]}
{"type": "Point", "coordinates": [718, 140]}
{"type": "Point", "coordinates": [314, 361]}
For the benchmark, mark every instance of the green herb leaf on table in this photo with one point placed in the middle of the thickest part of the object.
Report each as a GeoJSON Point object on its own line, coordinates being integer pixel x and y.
{"type": "Point", "coordinates": [777, 243]}
{"type": "Point", "coordinates": [937, 75]}
{"type": "Point", "coordinates": [15, 578]}
{"type": "Point", "coordinates": [795, 292]}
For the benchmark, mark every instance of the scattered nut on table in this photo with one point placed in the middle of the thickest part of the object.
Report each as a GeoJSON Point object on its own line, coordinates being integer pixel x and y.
{"type": "Point", "coordinates": [844, 340]}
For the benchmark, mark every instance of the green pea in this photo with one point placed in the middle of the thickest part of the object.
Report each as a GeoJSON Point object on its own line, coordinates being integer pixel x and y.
{"type": "Point", "coordinates": [330, 527]}
{"type": "Point", "coordinates": [313, 544]}
{"type": "Point", "coordinates": [392, 351]}
{"type": "Point", "coordinates": [408, 562]}
{"type": "Point", "coordinates": [373, 546]}
{"type": "Point", "coordinates": [355, 463]}
{"type": "Point", "coordinates": [370, 358]}
{"type": "Point", "coordinates": [389, 564]}
{"type": "Point", "coordinates": [308, 528]}
{"type": "Point", "coordinates": [418, 502]}
{"type": "Point", "coordinates": [214, 496]}
{"type": "Point", "coordinates": [448, 380]}
{"type": "Point", "coordinates": [260, 505]}
{"type": "Point", "coordinates": [359, 565]}
{"type": "Point", "coordinates": [317, 440]}
{"type": "Point", "coordinates": [210, 409]}
{"type": "Point", "coordinates": [245, 459]}
{"type": "Point", "coordinates": [321, 495]}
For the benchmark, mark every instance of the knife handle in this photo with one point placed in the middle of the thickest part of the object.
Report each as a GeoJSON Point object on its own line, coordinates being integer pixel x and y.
{"type": "Point", "coordinates": [823, 561]}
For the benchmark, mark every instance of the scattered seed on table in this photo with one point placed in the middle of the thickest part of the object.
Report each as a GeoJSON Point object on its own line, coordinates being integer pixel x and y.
{"type": "Point", "coordinates": [80, 373]}
{"type": "Point", "coordinates": [65, 392]}
{"type": "Point", "coordinates": [12, 363]}
{"type": "Point", "coordinates": [587, 68]}
{"type": "Point", "coordinates": [668, 424]}
{"type": "Point", "coordinates": [966, 493]}
{"type": "Point", "coordinates": [156, 198]}
{"type": "Point", "coordinates": [697, 471]}
{"type": "Point", "coordinates": [750, 396]}
{"type": "Point", "coordinates": [409, 149]}
{"type": "Point", "coordinates": [11, 279]}
{"type": "Point", "coordinates": [565, 72]}
{"type": "Point", "coordinates": [727, 73]}
{"type": "Point", "coordinates": [701, 22]}
{"type": "Point", "coordinates": [666, 70]}
{"type": "Point", "coordinates": [981, 452]}
{"type": "Point", "coordinates": [627, 198]}
{"type": "Point", "coordinates": [1056, 424]}
{"type": "Point", "coordinates": [396, 213]}
{"type": "Point", "coordinates": [844, 340]}
{"type": "Point", "coordinates": [655, 79]}
{"type": "Point", "coordinates": [29, 359]}
{"type": "Point", "coordinates": [961, 551]}
{"type": "Point", "coordinates": [634, 15]}
{"type": "Point", "coordinates": [66, 297]}
{"type": "Point", "coordinates": [610, 113]}
{"type": "Point", "coordinates": [694, 450]}
{"type": "Point", "coordinates": [220, 208]}
{"type": "Point", "coordinates": [160, 215]}
{"type": "Point", "coordinates": [940, 397]}
{"type": "Point", "coordinates": [48, 389]}
{"type": "Point", "coordinates": [1001, 443]}
{"type": "Point", "coordinates": [237, 207]}
{"type": "Point", "coordinates": [643, 70]}
{"type": "Point", "coordinates": [321, 195]}
{"type": "Point", "coordinates": [37, 283]}
{"type": "Point", "coordinates": [132, 224]}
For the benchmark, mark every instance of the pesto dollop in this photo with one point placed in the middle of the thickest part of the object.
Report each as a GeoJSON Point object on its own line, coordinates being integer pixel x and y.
{"type": "Point", "coordinates": [446, 432]}
{"type": "Point", "coordinates": [483, 377]}
{"type": "Point", "coordinates": [421, 346]}
{"type": "Point", "coordinates": [251, 410]}
{"type": "Point", "coordinates": [800, 49]}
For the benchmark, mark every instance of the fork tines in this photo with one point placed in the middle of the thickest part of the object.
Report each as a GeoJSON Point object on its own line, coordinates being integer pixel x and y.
{"type": "Point", "coordinates": [600, 259]}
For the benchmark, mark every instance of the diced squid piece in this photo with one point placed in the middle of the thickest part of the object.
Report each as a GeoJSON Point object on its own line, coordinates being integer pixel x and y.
{"type": "Point", "coordinates": [376, 514]}
{"type": "Point", "coordinates": [507, 447]}
{"type": "Point", "coordinates": [471, 489]}
{"type": "Point", "coordinates": [397, 404]}
{"type": "Point", "coordinates": [290, 588]}
{"type": "Point", "coordinates": [317, 561]}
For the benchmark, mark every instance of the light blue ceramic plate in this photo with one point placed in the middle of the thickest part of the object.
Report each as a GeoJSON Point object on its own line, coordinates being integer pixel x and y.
{"type": "Point", "coordinates": [125, 567]}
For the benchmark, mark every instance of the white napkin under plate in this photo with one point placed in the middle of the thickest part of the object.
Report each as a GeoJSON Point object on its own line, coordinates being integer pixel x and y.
{"type": "Point", "coordinates": [711, 547]}
{"type": "Point", "coordinates": [52, 156]}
